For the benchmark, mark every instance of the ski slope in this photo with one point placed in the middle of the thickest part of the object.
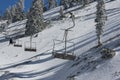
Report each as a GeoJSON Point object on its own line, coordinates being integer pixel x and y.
{"type": "Point", "coordinates": [17, 64]}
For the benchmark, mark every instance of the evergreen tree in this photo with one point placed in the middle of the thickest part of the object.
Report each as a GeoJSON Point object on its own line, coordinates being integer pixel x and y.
{"type": "Point", "coordinates": [52, 4]}
{"type": "Point", "coordinates": [35, 18]}
{"type": "Point", "coordinates": [1, 15]}
{"type": "Point", "coordinates": [61, 12]}
{"type": "Point", "coordinates": [16, 12]}
{"type": "Point", "coordinates": [65, 3]}
{"type": "Point", "coordinates": [13, 10]}
{"type": "Point", "coordinates": [19, 11]}
{"type": "Point", "coordinates": [86, 2]}
{"type": "Point", "coordinates": [44, 6]}
{"type": "Point", "coordinates": [73, 3]}
{"type": "Point", "coordinates": [8, 15]}
{"type": "Point", "coordinates": [100, 19]}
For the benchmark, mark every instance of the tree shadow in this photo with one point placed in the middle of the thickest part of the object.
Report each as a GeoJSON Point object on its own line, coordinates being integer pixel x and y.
{"type": "Point", "coordinates": [112, 30]}
{"type": "Point", "coordinates": [28, 62]}
{"type": "Point", "coordinates": [31, 74]}
{"type": "Point", "coordinates": [87, 62]}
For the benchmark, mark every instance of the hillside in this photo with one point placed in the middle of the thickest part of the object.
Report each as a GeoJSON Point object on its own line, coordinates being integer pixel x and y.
{"type": "Point", "coordinates": [18, 64]}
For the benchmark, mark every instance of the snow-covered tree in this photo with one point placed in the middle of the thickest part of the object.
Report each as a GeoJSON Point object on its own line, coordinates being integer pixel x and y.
{"type": "Point", "coordinates": [73, 3]}
{"type": "Point", "coordinates": [61, 12]}
{"type": "Point", "coordinates": [65, 3]}
{"type": "Point", "coordinates": [85, 2]}
{"type": "Point", "coordinates": [35, 18]}
{"type": "Point", "coordinates": [21, 5]}
{"type": "Point", "coordinates": [13, 10]}
{"type": "Point", "coordinates": [100, 19]}
{"type": "Point", "coordinates": [19, 11]}
{"type": "Point", "coordinates": [8, 15]}
{"type": "Point", "coordinates": [52, 4]}
{"type": "Point", "coordinates": [16, 12]}
{"type": "Point", "coordinates": [44, 6]}
{"type": "Point", "coordinates": [1, 15]}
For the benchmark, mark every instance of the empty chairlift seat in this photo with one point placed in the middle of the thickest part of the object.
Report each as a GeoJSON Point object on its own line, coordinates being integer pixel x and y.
{"type": "Point", "coordinates": [18, 43]}
{"type": "Point", "coordinates": [64, 53]}
{"type": "Point", "coordinates": [30, 46]}
{"type": "Point", "coordinates": [67, 56]}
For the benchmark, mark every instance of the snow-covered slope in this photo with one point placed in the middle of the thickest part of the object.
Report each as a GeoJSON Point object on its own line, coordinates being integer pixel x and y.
{"type": "Point", "coordinates": [17, 64]}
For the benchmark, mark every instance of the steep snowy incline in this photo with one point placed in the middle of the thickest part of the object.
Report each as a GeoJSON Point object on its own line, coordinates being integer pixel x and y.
{"type": "Point", "coordinates": [21, 65]}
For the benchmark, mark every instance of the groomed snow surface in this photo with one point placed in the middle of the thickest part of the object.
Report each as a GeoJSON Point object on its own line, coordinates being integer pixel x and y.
{"type": "Point", "coordinates": [17, 64]}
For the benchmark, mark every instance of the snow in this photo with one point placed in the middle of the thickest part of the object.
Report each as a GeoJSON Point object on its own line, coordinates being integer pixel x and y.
{"type": "Point", "coordinates": [17, 64]}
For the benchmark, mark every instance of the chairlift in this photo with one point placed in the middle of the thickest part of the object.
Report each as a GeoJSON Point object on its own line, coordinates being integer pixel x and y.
{"type": "Point", "coordinates": [18, 43]}
{"type": "Point", "coordinates": [65, 54]}
{"type": "Point", "coordinates": [30, 46]}
{"type": "Point", "coordinates": [68, 55]}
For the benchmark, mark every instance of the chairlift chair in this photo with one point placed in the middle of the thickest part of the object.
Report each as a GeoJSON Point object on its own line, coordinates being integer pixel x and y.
{"type": "Point", "coordinates": [64, 54]}
{"type": "Point", "coordinates": [30, 46]}
{"type": "Point", "coordinates": [18, 43]}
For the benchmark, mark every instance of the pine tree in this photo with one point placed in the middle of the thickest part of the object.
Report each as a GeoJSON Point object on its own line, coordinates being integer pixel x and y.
{"type": "Point", "coordinates": [21, 5]}
{"type": "Point", "coordinates": [14, 12]}
{"type": "Point", "coordinates": [65, 3]}
{"type": "Point", "coordinates": [100, 19]}
{"type": "Point", "coordinates": [8, 15]}
{"type": "Point", "coordinates": [1, 15]}
{"type": "Point", "coordinates": [61, 12]}
{"type": "Point", "coordinates": [35, 18]}
{"type": "Point", "coordinates": [19, 11]}
{"type": "Point", "coordinates": [44, 6]}
{"type": "Point", "coordinates": [72, 3]}
{"type": "Point", "coordinates": [52, 4]}
{"type": "Point", "coordinates": [85, 2]}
